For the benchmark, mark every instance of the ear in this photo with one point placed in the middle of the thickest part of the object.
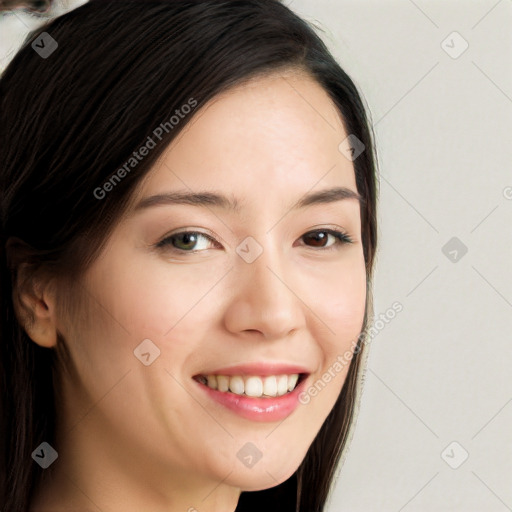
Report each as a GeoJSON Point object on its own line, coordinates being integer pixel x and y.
{"type": "Point", "coordinates": [35, 307]}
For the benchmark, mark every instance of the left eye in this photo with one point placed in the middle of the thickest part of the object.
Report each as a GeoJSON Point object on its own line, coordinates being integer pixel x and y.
{"type": "Point", "coordinates": [186, 240]}
{"type": "Point", "coordinates": [321, 235]}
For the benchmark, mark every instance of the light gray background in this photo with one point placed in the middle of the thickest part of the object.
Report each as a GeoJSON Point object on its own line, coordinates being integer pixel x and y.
{"type": "Point", "coordinates": [439, 372]}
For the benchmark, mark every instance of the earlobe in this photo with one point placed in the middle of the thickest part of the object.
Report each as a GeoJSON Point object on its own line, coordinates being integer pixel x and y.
{"type": "Point", "coordinates": [35, 310]}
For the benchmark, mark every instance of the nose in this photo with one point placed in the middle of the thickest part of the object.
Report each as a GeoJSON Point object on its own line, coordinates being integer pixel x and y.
{"type": "Point", "coordinates": [266, 298]}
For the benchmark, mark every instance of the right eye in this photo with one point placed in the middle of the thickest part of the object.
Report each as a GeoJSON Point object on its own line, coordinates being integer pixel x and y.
{"type": "Point", "coordinates": [185, 241]}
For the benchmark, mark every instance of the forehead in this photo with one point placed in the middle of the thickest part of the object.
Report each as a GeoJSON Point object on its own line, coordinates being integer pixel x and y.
{"type": "Point", "coordinates": [276, 132]}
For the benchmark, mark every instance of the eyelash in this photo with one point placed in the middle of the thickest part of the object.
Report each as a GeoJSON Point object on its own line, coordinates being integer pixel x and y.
{"type": "Point", "coordinates": [341, 237]}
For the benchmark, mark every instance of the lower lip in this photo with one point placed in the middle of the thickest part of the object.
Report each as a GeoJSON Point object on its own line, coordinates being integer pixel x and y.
{"type": "Point", "coordinates": [257, 409]}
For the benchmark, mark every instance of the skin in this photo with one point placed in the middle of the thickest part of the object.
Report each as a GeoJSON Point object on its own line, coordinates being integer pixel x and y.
{"type": "Point", "coordinates": [132, 437]}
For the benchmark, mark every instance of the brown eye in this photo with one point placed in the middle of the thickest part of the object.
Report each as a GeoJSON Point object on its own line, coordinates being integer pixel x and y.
{"type": "Point", "coordinates": [320, 238]}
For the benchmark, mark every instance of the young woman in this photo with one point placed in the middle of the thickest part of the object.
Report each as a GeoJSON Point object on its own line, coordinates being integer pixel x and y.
{"type": "Point", "coordinates": [188, 234]}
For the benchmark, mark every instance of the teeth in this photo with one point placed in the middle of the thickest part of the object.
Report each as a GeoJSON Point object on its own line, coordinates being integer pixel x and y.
{"type": "Point", "coordinates": [282, 385]}
{"type": "Point", "coordinates": [254, 386]}
{"type": "Point", "coordinates": [270, 386]}
{"type": "Point", "coordinates": [222, 383]}
{"type": "Point", "coordinates": [292, 381]}
{"type": "Point", "coordinates": [236, 385]}
{"type": "Point", "coordinates": [212, 381]}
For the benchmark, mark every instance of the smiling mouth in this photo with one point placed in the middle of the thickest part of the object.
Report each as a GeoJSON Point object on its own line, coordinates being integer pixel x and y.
{"type": "Point", "coordinates": [253, 386]}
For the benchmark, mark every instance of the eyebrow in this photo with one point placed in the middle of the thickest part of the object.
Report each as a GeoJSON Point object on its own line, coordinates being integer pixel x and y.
{"type": "Point", "coordinates": [219, 200]}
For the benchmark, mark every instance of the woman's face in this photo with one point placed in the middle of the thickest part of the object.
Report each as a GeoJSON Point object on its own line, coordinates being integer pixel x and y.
{"type": "Point", "coordinates": [247, 286]}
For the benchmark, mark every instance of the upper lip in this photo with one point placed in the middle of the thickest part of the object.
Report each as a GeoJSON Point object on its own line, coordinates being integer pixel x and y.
{"type": "Point", "coordinates": [262, 368]}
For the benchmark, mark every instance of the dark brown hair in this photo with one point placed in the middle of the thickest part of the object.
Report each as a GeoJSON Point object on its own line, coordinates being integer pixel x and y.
{"type": "Point", "coordinates": [69, 120]}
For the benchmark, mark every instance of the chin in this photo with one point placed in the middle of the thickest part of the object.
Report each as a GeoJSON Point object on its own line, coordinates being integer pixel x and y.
{"type": "Point", "coordinates": [265, 479]}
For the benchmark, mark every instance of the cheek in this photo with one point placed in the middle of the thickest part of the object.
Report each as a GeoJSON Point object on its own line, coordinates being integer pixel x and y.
{"type": "Point", "coordinates": [152, 300]}
{"type": "Point", "coordinates": [341, 306]}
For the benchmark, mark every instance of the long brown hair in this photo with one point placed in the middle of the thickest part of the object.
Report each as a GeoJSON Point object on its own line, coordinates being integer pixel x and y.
{"type": "Point", "coordinates": [70, 119]}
